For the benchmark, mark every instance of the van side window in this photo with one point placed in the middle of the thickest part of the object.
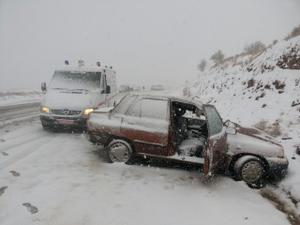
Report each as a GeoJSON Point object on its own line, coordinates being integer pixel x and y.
{"type": "Point", "coordinates": [104, 81]}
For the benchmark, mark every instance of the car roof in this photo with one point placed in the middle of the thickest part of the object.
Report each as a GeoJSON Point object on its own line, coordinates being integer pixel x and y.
{"type": "Point", "coordinates": [181, 99]}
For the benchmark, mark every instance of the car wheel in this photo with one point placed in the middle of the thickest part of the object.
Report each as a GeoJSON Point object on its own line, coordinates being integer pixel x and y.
{"type": "Point", "coordinates": [249, 169]}
{"type": "Point", "coordinates": [119, 151]}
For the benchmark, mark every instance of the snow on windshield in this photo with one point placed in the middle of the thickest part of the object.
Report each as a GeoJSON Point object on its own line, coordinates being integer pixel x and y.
{"type": "Point", "coordinates": [75, 80]}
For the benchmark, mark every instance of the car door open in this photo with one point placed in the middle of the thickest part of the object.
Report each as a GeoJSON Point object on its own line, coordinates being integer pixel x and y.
{"type": "Point", "coordinates": [214, 156]}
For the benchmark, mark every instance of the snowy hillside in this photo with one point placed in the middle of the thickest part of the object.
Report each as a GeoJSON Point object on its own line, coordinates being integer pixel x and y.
{"type": "Point", "coordinates": [249, 88]}
{"type": "Point", "coordinates": [264, 91]}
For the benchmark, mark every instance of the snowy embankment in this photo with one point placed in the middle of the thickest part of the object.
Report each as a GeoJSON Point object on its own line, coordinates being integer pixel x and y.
{"type": "Point", "coordinates": [261, 91]}
{"type": "Point", "coordinates": [9, 98]}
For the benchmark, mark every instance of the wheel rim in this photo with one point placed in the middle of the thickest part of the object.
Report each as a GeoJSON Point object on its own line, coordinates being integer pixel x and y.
{"type": "Point", "coordinates": [252, 171]}
{"type": "Point", "coordinates": [119, 152]}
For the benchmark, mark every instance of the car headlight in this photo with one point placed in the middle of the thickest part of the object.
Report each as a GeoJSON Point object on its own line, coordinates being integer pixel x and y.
{"type": "Point", "coordinates": [88, 111]}
{"type": "Point", "coordinates": [45, 109]}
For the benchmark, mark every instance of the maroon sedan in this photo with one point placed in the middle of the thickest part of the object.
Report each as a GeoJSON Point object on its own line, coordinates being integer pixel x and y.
{"type": "Point", "coordinates": [180, 129]}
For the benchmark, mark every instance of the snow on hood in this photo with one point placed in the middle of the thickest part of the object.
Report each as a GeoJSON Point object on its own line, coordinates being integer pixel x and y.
{"type": "Point", "coordinates": [253, 141]}
{"type": "Point", "coordinates": [253, 132]}
{"type": "Point", "coordinates": [76, 100]}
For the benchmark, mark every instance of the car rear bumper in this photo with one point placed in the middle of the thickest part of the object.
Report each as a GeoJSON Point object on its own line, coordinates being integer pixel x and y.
{"type": "Point", "coordinates": [59, 121]}
{"type": "Point", "coordinates": [278, 166]}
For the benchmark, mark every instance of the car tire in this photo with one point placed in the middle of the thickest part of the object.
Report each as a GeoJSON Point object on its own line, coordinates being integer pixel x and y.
{"type": "Point", "coordinates": [119, 151]}
{"type": "Point", "coordinates": [251, 170]}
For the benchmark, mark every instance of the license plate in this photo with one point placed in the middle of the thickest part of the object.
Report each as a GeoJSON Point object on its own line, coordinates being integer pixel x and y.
{"type": "Point", "coordinates": [65, 122]}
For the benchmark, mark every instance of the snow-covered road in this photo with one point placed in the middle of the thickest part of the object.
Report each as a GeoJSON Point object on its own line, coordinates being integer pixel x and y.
{"type": "Point", "coordinates": [60, 178]}
{"type": "Point", "coordinates": [19, 112]}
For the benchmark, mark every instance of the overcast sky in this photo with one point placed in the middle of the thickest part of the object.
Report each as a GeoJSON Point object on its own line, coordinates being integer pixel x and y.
{"type": "Point", "coordinates": [147, 42]}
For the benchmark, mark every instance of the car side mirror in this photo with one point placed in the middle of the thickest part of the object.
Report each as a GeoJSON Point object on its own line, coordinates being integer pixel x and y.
{"type": "Point", "coordinates": [107, 89]}
{"type": "Point", "coordinates": [43, 87]}
{"type": "Point", "coordinates": [230, 130]}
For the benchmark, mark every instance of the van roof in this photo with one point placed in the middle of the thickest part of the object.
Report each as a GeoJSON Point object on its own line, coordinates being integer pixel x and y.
{"type": "Point", "coordinates": [84, 69]}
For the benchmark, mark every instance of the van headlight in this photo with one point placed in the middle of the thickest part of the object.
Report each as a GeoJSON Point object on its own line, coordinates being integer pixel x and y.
{"type": "Point", "coordinates": [45, 109]}
{"type": "Point", "coordinates": [88, 111]}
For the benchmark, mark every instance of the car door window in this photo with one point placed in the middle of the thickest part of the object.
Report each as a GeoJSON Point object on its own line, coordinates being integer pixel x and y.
{"type": "Point", "coordinates": [154, 109]}
{"type": "Point", "coordinates": [135, 109]}
{"type": "Point", "coordinates": [214, 120]}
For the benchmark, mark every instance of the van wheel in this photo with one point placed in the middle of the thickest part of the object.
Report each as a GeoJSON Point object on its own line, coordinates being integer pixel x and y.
{"type": "Point", "coordinates": [46, 126]}
{"type": "Point", "coordinates": [249, 169]}
{"type": "Point", "coordinates": [119, 151]}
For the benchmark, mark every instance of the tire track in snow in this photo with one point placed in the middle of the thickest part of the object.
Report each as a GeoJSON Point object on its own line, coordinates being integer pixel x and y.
{"type": "Point", "coordinates": [23, 150]}
{"type": "Point", "coordinates": [281, 203]}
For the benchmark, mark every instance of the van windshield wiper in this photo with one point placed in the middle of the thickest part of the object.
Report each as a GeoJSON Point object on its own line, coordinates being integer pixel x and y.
{"type": "Point", "coordinates": [60, 88]}
{"type": "Point", "coordinates": [79, 89]}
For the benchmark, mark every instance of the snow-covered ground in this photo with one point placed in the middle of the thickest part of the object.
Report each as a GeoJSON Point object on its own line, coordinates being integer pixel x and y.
{"type": "Point", "coordinates": [255, 90]}
{"type": "Point", "coordinates": [60, 178]}
{"type": "Point", "coordinates": [19, 97]}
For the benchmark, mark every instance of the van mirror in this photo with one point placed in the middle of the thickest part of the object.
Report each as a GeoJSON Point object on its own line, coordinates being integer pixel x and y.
{"type": "Point", "coordinates": [43, 87]}
{"type": "Point", "coordinates": [107, 89]}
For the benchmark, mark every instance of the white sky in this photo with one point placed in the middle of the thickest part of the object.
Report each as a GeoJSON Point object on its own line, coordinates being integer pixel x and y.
{"type": "Point", "coordinates": [147, 42]}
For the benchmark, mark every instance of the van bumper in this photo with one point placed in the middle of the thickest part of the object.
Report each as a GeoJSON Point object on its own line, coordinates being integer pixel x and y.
{"type": "Point", "coordinates": [51, 121]}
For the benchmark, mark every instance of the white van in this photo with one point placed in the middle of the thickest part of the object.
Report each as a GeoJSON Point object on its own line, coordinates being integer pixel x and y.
{"type": "Point", "coordinates": [73, 93]}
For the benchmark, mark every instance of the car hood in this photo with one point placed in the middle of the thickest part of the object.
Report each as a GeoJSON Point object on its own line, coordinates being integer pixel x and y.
{"type": "Point", "coordinates": [68, 99]}
{"type": "Point", "coordinates": [256, 133]}
{"type": "Point", "coordinates": [253, 141]}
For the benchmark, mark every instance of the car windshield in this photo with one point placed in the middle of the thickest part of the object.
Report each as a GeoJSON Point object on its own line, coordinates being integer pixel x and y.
{"type": "Point", "coordinates": [75, 80]}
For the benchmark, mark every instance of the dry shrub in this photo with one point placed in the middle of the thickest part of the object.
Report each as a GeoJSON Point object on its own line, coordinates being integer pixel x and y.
{"type": "Point", "coordinates": [273, 129]}
{"type": "Point", "coordinates": [250, 83]}
{"type": "Point", "coordinates": [279, 84]}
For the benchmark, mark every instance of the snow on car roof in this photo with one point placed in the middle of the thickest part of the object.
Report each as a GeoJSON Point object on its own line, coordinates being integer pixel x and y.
{"type": "Point", "coordinates": [170, 97]}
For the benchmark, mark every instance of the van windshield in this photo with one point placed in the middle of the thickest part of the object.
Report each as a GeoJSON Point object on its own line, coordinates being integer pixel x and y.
{"type": "Point", "coordinates": [75, 80]}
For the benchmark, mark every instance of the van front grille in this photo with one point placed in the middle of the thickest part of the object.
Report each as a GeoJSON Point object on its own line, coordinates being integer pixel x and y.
{"type": "Point", "coordinates": [65, 112]}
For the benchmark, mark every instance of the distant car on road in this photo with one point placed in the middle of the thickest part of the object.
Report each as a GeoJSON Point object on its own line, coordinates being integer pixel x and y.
{"type": "Point", "coordinates": [73, 93]}
{"type": "Point", "coordinates": [157, 87]}
{"type": "Point", "coordinates": [187, 131]}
